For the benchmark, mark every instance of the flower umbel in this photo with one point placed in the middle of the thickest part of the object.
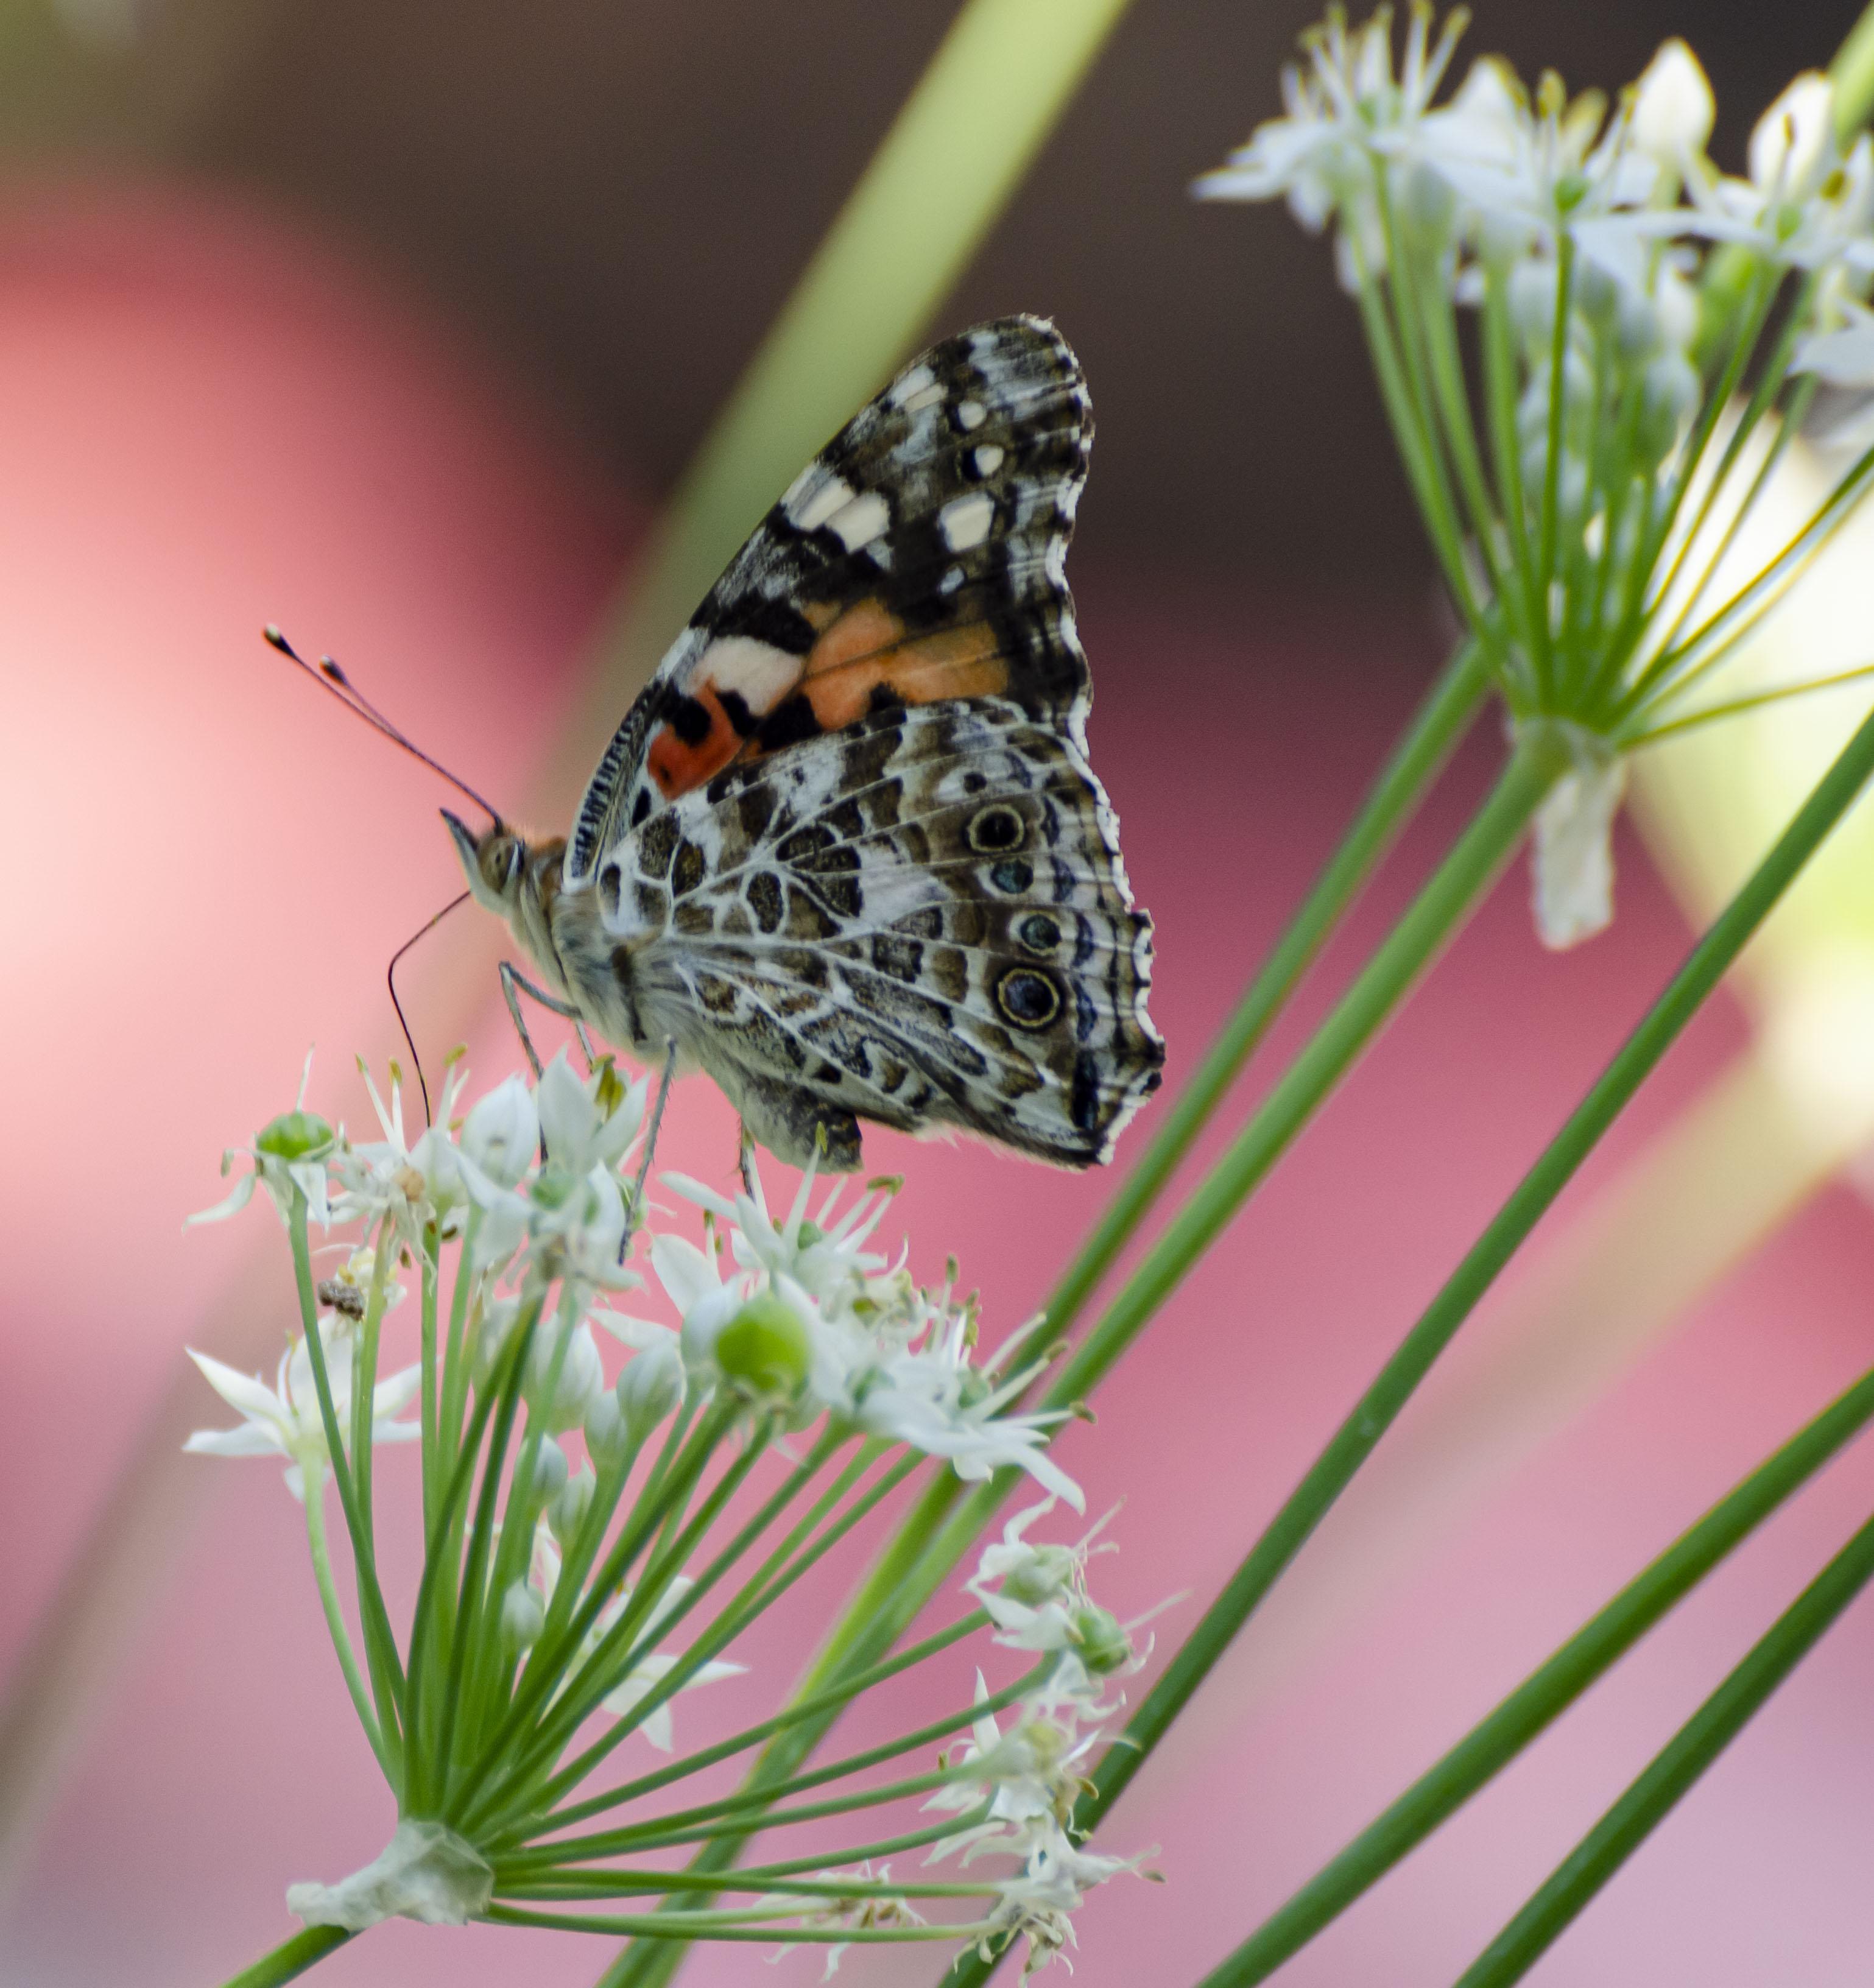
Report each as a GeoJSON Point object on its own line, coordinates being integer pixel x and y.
{"type": "Point", "coordinates": [1633, 387]}
{"type": "Point", "coordinates": [567, 1601]}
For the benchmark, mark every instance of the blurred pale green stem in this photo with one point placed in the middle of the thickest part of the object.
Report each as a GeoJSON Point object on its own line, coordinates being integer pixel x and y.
{"type": "Point", "coordinates": [937, 184]}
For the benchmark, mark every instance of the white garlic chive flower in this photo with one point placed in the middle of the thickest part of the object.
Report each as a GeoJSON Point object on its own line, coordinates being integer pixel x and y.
{"type": "Point", "coordinates": [1348, 123]}
{"type": "Point", "coordinates": [284, 1420]}
{"type": "Point", "coordinates": [589, 1506]}
{"type": "Point", "coordinates": [1650, 330]}
{"type": "Point", "coordinates": [289, 1155]}
{"type": "Point", "coordinates": [822, 1324]}
{"type": "Point", "coordinates": [409, 1185]}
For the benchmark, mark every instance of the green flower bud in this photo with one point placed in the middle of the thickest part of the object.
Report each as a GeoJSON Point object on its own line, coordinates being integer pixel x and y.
{"type": "Point", "coordinates": [294, 1135]}
{"type": "Point", "coordinates": [1597, 294]}
{"type": "Point", "coordinates": [763, 1349]}
{"type": "Point", "coordinates": [1041, 1578]}
{"type": "Point", "coordinates": [648, 1390]}
{"type": "Point", "coordinates": [549, 1470]}
{"type": "Point", "coordinates": [572, 1501]}
{"type": "Point", "coordinates": [523, 1617]}
{"type": "Point", "coordinates": [1669, 397]}
{"type": "Point", "coordinates": [1101, 1639]}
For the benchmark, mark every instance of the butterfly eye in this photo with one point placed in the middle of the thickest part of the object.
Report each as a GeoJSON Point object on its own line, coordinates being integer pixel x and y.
{"type": "Point", "coordinates": [500, 862]}
{"type": "Point", "coordinates": [992, 829]}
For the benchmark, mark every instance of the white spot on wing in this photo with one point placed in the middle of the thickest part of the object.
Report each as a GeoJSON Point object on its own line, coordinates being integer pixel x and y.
{"type": "Point", "coordinates": [808, 513]}
{"type": "Point", "coordinates": [861, 521]}
{"type": "Point", "coordinates": [918, 381]}
{"type": "Point", "coordinates": [970, 414]}
{"type": "Point", "coordinates": [988, 458]}
{"type": "Point", "coordinates": [758, 672]}
{"type": "Point", "coordinates": [965, 521]}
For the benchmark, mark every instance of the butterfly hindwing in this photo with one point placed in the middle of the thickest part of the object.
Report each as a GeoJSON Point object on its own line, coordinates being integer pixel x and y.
{"type": "Point", "coordinates": [918, 559]}
{"type": "Point", "coordinates": [922, 921]}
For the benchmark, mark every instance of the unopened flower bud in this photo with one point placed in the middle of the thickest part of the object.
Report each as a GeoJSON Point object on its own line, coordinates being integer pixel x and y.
{"type": "Point", "coordinates": [764, 1350]}
{"type": "Point", "coordinates": [1570, 485]}
{"type": "Point", "coordinates": [1042, 1573]}
{"type": "Point", "coordinates": [497, 1328]}
{"type": "Point", "coordinates": [1669, 397]}
{"type": "Point", "coordinates": [549, 1470]}
{"type": "Point", "coordinates": [1672, 107]}
{"type": "Point", "coordinates": [523, 1617]}
{"type": "Point", "coordinates": [1791, 147]}
{"type": "Point", "coordinates": [1427, 202]}
{"type": "Point", "coordinates": [1597, 294]}
{"type": "Point", "coordinates": [1100, 1638]}
{"type": "Point", "coordinates": [581, 1376]}
{"type": "Point", "coordinates": [574, 1500]}
{"type": "Point", "coordinates": [648, 1390]}
{"type": "Point", "coordinates": [293, 1135]}
{"type": "Point", "coordinates": [1577, 404]}
{"type": "Point", "coordinates": [607, 1441]}
{"type": "Point", "coordinates": [501, 1132]}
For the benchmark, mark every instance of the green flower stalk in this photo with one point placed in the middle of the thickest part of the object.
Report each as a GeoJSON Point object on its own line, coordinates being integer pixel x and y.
{"type": "Point", "coordinates": [1645, 335]}
{"type": "Point", "coordinates": [568, 1599]}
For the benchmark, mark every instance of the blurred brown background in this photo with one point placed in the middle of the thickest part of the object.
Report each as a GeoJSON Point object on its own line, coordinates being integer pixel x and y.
{"type": "Point", "coordinates": [615, 199]}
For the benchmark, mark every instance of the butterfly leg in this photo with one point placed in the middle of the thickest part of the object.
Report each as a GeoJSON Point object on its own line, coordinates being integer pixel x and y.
{"type": "Point", "coordinates": [644, 1165]}
{"type": "Point", "coordinates": [513, 984]}
{"type": "Point", "coordinates": [745, 1157]}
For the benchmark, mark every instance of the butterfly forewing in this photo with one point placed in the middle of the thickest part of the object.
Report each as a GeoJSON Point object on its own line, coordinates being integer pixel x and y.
{"type": "Point", "coordinates": [919, 557]}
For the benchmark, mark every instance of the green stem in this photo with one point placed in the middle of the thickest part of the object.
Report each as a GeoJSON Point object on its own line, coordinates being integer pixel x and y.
{"type": "Point", "coordinates": [1853, 73]}
{"type": "Point", "coordinates": [752, 1735]}
{"type": "Point", "coordinates": [1546, 1693]}
{"type": "Point", "coordinates": [1351, 1443]}
{"type": "Point", "coordinates": [1650, 1798]}
{"type": "Point", "coordinates": [291, 1958]}
{"type": "Point", "coordinates": [604, 1842]}
{"type": "Point", "coordinates": [314, 1486]}
{"type": "Point", "coordinates": [730, 1926]}
{"type": "Point", "coordinates": [379, 1639]}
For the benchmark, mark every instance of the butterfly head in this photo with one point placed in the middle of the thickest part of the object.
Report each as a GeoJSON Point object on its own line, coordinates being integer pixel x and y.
{"type": "Point", "coordinates": [495, 863]}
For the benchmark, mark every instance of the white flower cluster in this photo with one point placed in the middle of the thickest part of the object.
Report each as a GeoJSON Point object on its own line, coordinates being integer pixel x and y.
{"type": "Point", "coordinates": [1580, 522]}
{"type": "Point", "coordinates": [1501, 174]}
{"type": "Point", "coordinates": [1029, 1777]}
{"type": "Point", "coordinates": [811, 1320]}
{"type": "Point", "coordinates": [804, 1321]}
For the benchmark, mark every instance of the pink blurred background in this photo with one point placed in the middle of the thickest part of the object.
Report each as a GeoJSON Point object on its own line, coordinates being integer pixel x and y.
{"type": "Point", "coordinates": [215, 417]}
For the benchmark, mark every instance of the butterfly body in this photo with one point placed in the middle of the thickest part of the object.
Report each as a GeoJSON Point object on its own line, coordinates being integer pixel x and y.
{"type": "Point", "coordinates": [846, 851]}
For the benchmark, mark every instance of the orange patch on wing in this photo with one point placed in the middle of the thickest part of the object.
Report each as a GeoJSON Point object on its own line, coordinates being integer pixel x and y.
{"type": "Point", "coordinates": [958, 662]}
{"type": "Point", "coordinates": [677, 767]}
{"type": "Point", "coordinates": [867, 646]}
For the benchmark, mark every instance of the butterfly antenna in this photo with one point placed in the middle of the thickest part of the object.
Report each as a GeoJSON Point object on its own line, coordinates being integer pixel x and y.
{"type": "Point", "coordinates": [329, 677]}
{"type": "Point", "coordinates": [454, 903]}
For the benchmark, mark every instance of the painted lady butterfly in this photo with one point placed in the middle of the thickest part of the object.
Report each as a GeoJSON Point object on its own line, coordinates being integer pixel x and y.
{"type": "Point", "coordinates": [846, 852]}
